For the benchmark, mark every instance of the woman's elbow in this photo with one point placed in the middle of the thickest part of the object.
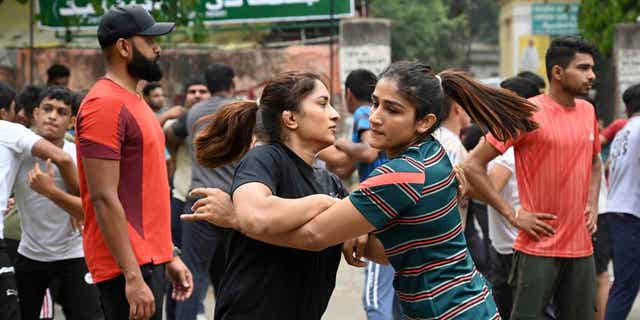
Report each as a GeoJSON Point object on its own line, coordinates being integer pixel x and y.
{"type": "Point", "coordinates": [315, 241]}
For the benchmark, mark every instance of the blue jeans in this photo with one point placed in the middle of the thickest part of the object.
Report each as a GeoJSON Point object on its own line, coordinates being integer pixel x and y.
{"type": "Point", "coordinates": [379, 297]}
{"type": "Point", "coordinates": [200, 244]}
{"type": "Point", "coordinates": [625, 242]}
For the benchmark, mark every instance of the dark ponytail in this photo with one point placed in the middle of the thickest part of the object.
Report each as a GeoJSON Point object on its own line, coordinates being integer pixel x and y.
{"type": "Point", "coordinates": [230, 132]}
{"type": "Point", "coordinates": [227, 136]}
{"type": "Point", "coordinates": [501, 112]}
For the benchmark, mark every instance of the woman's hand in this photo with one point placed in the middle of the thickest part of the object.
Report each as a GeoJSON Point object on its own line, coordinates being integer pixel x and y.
{"type": "Point", "coordinates": [216, 208]}
{"type": "Point", "coordinates": [354, 250]}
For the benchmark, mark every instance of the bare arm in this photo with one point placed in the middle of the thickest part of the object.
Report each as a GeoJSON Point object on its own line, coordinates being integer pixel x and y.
{"type": "Point", "coordinates": [338, 223]}
{"type": "Point", "coordinates": [374, 251]}
{"type": "Point", "coordinates": [594, 190]}
{"type": "Point", "coordinates": [102, 178]}
{"type": "Point", "coordinates": [172, 142]}
{"type": "Point", "coordinates": [337, 162]}
{"type": "Point", "coordinates": [481, 187]}
{"type": "Point", "coordinates": [46, 150]}
{"type": "Point", "coordinates": [360, 152]}
{"type": "Point", "coordinates": [260, 213]}
{"type": "Point", "coordinates": [44, 183]}
{"type": "Point", "coordinates": [499, 176]}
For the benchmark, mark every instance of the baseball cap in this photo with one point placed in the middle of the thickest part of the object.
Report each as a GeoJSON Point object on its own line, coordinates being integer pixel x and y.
{"type": "Point", "coordinates": [127, 21]}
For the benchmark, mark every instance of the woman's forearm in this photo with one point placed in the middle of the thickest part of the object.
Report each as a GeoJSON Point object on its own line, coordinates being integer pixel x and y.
{"type": "Point", "coordinates": [279, 215]}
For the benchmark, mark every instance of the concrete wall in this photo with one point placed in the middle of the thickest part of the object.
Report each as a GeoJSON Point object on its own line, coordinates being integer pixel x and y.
{"type": "Point", "coordinates": [253, 67]}
{"type": "Point", "coordinates": [626, 57]}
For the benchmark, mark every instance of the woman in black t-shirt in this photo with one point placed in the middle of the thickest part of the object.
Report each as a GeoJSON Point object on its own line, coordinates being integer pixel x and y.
{"type": "Point", "coordinates": [263, 281]}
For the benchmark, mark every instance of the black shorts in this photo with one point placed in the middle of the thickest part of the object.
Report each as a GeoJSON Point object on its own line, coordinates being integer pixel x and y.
{"type": "Point", "coordinates": [602, 245]}
{"type": "Point", "coordinates": [9, 309]}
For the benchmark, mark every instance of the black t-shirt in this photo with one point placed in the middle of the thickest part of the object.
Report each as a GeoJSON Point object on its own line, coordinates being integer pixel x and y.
{"type": "Point", "coordinates": [262, 281]}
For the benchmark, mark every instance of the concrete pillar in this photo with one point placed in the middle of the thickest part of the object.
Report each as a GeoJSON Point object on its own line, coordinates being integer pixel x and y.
{"type": "Point", "coordinates": [626, 55]}
{"type": "Point", "coordinates": [364, 44]}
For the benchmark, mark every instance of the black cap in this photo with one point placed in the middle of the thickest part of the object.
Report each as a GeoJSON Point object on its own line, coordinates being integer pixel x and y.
{"type": "Point", "coordinates": [127, 21]}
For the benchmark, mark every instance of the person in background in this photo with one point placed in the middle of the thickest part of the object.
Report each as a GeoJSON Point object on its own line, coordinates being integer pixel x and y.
{"type": "Point", "coordinates": [58, 75]}
{"type": "Point", "coordinates": [16, 141]}
{"type": "Point", "coordinates": [195, 90]}
{"type": "Point", "coordinates": [623, 207]}
{"type": "Point", "coordinates": [535, 78]}
{"type": "Point", "coordinates": [50, 249]}
{"type": "Point", "coordinates": [202, 243]}
{"type": "Point", "coordinates": [26, 101]}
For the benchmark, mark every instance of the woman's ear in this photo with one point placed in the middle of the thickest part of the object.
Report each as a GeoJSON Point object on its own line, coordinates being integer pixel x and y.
{"type": "Point", "coordinates": [423, 125]}
{"type": "Point", "coordinates": [289, 120]}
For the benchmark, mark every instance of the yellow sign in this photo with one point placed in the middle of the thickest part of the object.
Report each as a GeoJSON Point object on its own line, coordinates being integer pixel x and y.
{"type": "Point", "coordinates": [531, 52]}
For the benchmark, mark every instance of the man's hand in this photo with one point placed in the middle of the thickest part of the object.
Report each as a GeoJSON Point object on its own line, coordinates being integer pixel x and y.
{"type": "Point", "coordinates": [174, 112]}
{"type": "Point", "coordinates": [591, 217]}
{"type": "Point", "coordinates": [533, 223]}
{"type": "Point", "coordinates": [77, 224]}
{"type": "Point", "coordinates": [181, 279]}
{"type": "Point", "coordinates": [42, 182]}
{"type": "Point", "coordinates": [142, 305]}
{"type": "Point", "coordinates": [216, 208]}
{"type": "Point", "coordinates": [354, 249]}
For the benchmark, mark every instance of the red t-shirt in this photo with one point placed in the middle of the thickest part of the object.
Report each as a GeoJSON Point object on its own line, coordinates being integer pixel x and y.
{"type": "Point", "coordinates": [553, 169]}
{"type": "Point", "coordinates": [116, 124]}
{"type": "Point", "coordinates": [610, 131]}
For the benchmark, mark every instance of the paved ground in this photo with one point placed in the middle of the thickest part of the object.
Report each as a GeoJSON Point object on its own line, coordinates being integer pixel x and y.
{"type": "Point", "coordinates": [346, 302]}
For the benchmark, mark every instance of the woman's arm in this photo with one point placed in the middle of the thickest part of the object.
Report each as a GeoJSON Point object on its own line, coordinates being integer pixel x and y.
{"type": "Point", "coordinates": [258, 212]}
{"type": "Point", "coordinates": [338, 223]}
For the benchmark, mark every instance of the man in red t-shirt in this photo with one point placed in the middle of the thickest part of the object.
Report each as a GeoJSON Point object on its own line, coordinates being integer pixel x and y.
{"type": "Point", "coordinates": [123, 175]}
{"type": "Point", "coordinates": [558, 172]}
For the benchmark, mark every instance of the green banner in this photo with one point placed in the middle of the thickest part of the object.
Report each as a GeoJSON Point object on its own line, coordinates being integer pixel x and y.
{"type": "Point", "coordinates": [62, 13]}
{"type": "Point", "coordinates": [555, 18]}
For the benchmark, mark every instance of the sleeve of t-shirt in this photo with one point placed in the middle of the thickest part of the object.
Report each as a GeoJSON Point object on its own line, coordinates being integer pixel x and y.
{"type": "Point", "coordinates": [18, 138]}
{"type": "Point", "coordinates": [390, 189]}
{"type": "Point", "coordinates": [610, 131]}
{"type": "Point", "coordinates": [507, 160]}
{"type": "Point", "coordinates": [258, 165]}
{"type": "Point", "coordinates": [101, 128]}
{"type": "Point", "coordinates": [179, 127]}
{"type": "Point", "coordinates": [361, 120]}
{"type": "Point", "coordinates": [502, 146]}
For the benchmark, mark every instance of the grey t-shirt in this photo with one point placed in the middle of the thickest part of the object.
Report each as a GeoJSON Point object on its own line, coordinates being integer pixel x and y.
{"type": "Point", "coordinates": [624, 184]}
{"type": "Point", "coordinates": [202, 177]}
{"type": "Point", "coordinates": [47, 232]}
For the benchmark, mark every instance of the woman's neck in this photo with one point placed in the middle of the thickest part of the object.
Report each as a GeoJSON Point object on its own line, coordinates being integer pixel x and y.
{"type": "Point", "coordinates": [305, 150]}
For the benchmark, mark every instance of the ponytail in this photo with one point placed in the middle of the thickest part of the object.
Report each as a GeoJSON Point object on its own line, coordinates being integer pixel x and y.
{"type": "Point", "coordinates": [227, 136]}
{"type": "Point", "coordinates": [499, 111]}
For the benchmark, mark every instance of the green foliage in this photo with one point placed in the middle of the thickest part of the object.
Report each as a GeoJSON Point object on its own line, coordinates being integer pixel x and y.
{"type": "Point", "coordinates": [438, 32]}
{"type": "Point", "coordinates": [422, 30]}
{"type": "Point", "coordinates": [597, 20]}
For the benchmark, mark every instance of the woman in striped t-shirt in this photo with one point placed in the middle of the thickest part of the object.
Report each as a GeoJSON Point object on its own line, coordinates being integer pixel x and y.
{"type": "Point", "coordinates": [410, 202]}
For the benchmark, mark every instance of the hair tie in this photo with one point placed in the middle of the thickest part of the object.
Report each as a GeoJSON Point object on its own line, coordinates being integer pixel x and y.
{"type": "Point", "coordinates": [439, 79]}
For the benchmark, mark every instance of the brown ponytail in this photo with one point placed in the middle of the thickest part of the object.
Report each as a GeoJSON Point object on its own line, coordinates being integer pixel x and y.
{"type": "Point", "coordinates": [499, 111]}
{"type": "Point", "coordinates": [228, 134]}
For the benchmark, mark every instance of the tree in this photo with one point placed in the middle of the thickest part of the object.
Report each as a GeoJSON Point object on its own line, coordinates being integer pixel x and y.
{"type": "Point", "coordinates": [438, 32]}
{"type": "Point", "coordinates": [598, 18]}
{"type": "Point", "coordinates": [422, 30]}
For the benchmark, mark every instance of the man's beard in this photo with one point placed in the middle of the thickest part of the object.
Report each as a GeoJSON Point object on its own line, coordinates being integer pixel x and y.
{"type": "Point", "coordinates": [143, 68]}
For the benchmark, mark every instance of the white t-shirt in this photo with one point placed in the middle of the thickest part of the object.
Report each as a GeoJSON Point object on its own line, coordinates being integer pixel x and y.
{"type": "Point", "coordinates": [624, 176]}
{"type": "Point", "coordinates": [451, 144]}
{"type": "Point", "coordinates": [182, 174]}
{"type": "Point", "coordinates": [604, 192]}
{"type": "Point", "coordinates": [47, 232]}
{"type": "Point", "coordinates": [15, 142]}
{"type": "Point", "coordinates": [501, 232]}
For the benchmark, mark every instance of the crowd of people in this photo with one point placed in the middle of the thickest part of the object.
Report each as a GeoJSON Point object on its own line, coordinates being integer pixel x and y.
{"type": "Point", "coordinates": [472, 202]}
